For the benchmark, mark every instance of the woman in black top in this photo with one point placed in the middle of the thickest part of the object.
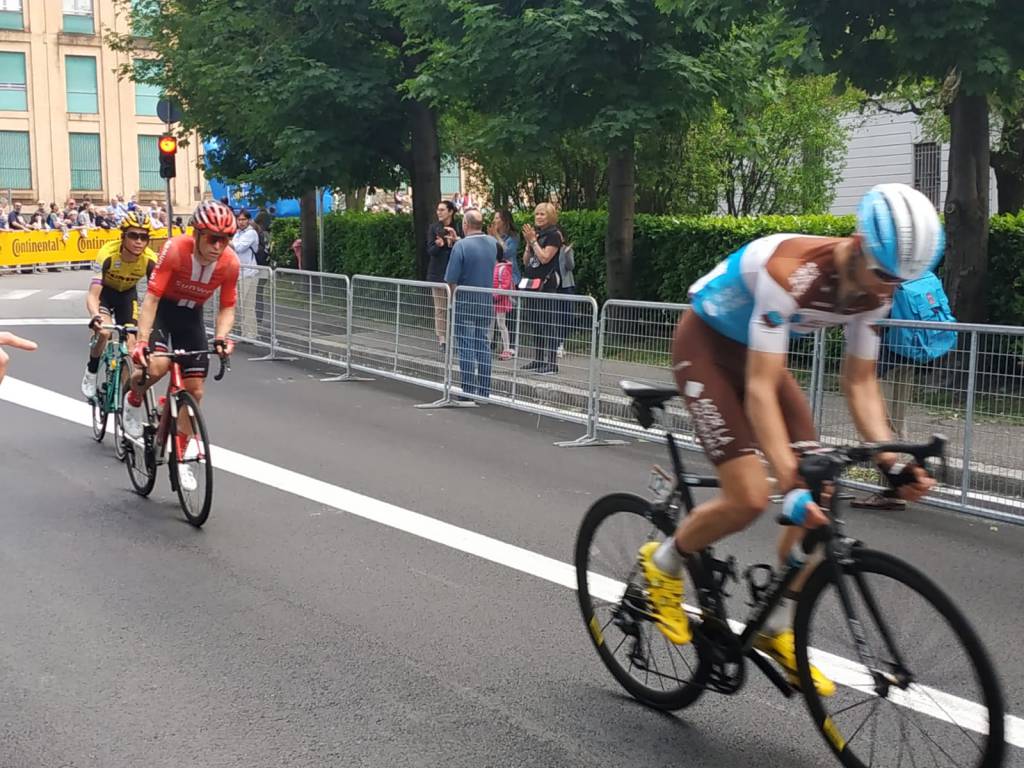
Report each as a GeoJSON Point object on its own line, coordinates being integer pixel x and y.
{"type": "Point", "coordinates": [540, 261]}
{"type": "Point", "coordinates": [442, 235]}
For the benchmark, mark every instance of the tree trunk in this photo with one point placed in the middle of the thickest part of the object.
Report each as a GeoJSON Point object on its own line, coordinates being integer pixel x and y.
{"type": "Point", "coordinates": [426, 178]}
{"type": "Point", "coordinates": [355, 200]}
{"type": "Point", "coordinates": [1008, 163]}
{"type": "Point", "coordinates": [307, 227]}
{"type": "Point", "coordinates": [967, 207]}
{"type": "Point", "coordinates": [618, 244]}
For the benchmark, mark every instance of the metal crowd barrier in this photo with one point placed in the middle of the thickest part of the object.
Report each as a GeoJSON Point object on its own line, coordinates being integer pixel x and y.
{"type": "Point", "coordinates": [561, 356]}
{"type": "Point", "coordinates": [534, 351]}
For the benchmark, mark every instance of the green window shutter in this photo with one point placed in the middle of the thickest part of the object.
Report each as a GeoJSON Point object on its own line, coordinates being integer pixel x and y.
{"type": "Point", "coordinates": [146, 95]}
{"type": "Point", "coordinates": [81, 78]}
{"type": "Point", "coordinates": [10, 15]}
{"type": "Point", "coordinates": [149, 163]}
{"type": "Point", "coordinates": [450, 181]}
{"type": "Point", "coordinates": [13, 94]}
{"type": "Point", "coordinates": [15, 165]}
{"type": "Point", "coordinates": [78, 17]}
{"type": "Point", "coordinates": [85, 161]}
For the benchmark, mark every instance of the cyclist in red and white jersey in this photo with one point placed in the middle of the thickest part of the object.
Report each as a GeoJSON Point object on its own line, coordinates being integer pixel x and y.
{"type": "Point", "coordinates": [190, 269]}
{"type": "Point", "coordinates": [729, 359]}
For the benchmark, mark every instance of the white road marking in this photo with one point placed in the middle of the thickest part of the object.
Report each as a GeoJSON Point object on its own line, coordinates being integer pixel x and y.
{"type": "Point", "coordinates": [4, 322]}
{"type": "Point", "coordinates": [68, 295]}
{"type": "Point", "coordinates": [15, 295]}
{"type": "Point", "coordinates": [928, 701]}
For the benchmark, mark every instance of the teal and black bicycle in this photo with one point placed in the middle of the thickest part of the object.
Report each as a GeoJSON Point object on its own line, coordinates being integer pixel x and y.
{"type": "Point", "coordinates": [114, 373]}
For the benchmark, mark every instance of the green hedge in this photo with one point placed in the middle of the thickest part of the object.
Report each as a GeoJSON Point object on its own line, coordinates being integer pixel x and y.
{"type": "Point", "coordinates": [670, 251]}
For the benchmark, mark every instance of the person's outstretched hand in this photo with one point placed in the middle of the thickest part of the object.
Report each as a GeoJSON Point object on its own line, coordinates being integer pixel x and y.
{"type": "Point", "coordinates": [8, 339]}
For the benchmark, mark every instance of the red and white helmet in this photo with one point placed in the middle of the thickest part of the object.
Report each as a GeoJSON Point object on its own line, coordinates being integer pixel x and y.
{"type": "Point", "coordinates": [213, 216]}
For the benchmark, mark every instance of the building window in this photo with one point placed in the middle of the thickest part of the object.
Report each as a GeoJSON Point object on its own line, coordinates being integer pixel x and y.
{"type": "Point", "coordinates": [13, 94]}
{"type": "Point", "coordinates": [451, 182]}
{"type": "Point", "coordinates": [928, 170]}
{"type": "Point", "coordinates": [78, 17]}
{"type": "Point", "coordinates": [81, 74]}
{"type": "Point", "coordinates": [10, 15]}
{"type": "Point", "coordinates": [85, 161]}
{"type": "Point", "coordinates": [146, 95]}
{"type": "Point", "coordinates": [144, 13]}
{"type": "Point", "coordinates": [15, 165]}
{"type": "Point", "coordinates": [149, 163]}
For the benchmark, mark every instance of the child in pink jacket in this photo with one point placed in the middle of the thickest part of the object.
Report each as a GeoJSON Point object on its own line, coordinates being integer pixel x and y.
{"type": "Point", "coordinates": [503, 304]}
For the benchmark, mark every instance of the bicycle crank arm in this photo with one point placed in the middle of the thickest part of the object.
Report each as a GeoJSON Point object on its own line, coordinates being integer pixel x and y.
{"type": "Point", "coordinates": [765, 665]}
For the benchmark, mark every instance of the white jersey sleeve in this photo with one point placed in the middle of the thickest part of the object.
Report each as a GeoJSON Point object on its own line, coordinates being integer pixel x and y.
{"type": "Point", "coordinates": [862, 339]}
{"type": "Point", "coordinates": [769, 320]}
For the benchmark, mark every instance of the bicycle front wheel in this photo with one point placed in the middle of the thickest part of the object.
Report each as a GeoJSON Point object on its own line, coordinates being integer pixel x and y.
{"type": "Point", "coordinates": [190, 462]}
{"type": "Point", "coordinates": [613, 598]}
{"type": "Point", "coordinates": [139, 457]}
{"type": "Point", "coordinates": [124, 373]}
{"type": "Point", "coordinates": [930, 697]}
{"type": "Point", "coordinates": [99, 417]}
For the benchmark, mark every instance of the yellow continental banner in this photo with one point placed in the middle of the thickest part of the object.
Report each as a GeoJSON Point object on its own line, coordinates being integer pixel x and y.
{"type": "Point", "coordinates": [55, 247]}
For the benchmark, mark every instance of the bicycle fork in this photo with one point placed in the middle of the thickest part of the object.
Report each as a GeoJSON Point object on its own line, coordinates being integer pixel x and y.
{"type": "Point", "coordinates": [838, 554]}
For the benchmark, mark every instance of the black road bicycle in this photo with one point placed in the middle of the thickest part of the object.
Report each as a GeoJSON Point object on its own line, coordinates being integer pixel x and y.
{"type": "Point", "coordinates": [177, 412]}
{"type": "Point", "coordinates": [914, 684]}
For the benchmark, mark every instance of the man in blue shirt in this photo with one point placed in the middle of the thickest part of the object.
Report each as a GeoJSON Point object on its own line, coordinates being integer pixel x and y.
{"type": "Point", "coordinates": [472, 265]}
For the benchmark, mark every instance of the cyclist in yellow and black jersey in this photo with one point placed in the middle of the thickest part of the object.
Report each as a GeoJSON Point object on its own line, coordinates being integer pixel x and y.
{"type": "Point", "coordinates": [113, 293]}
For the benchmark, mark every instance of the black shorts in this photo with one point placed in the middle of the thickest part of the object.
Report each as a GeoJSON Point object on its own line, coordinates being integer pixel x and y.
{"type": "Point", "coordinates": [181, 328]}
{"type": "Point", "coordinates": [123, 306]}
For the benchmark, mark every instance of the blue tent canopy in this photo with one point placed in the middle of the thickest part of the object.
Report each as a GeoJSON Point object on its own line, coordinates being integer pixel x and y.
{"type": "Point", "coordinates": [240, 195]}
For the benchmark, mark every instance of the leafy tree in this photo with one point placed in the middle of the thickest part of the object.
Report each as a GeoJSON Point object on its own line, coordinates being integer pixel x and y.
{"type": "Point", "coordinates": [609, 71]}
{"type": "Point", "coordinates": [974, 47]}
{"type": "Point", "coordinates": [300, 94]}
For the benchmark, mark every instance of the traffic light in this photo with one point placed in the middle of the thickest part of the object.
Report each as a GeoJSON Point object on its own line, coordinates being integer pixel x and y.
{"type": "Point", "coordinates": [168, 148]}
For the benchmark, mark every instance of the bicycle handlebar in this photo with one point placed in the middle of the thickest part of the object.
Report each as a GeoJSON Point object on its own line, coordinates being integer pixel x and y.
{"type": "Point", "coordinates": [225, 362]}
{"type": "Point", "coordinates": [934, 448]}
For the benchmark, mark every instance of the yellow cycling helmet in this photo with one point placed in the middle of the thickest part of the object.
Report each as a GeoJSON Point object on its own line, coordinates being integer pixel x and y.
{"type": "Point", "coordinates": [136, 220]}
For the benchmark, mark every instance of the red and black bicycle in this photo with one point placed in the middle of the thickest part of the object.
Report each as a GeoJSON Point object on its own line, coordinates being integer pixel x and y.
{"type": "Point", "coordinates": [174, 433]}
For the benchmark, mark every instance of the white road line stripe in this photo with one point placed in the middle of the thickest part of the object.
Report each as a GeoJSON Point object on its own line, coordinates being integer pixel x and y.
{"type": "Point", "coordinates": [15, 295]}
{"type": "Point", "coordinates": [5, 322]}
{"type": "Point", "coordinates": [68, 295]}
{"type": "Point", "coordinates": [967, 713]}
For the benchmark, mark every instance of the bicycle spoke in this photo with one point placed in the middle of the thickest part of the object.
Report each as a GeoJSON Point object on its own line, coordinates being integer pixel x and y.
{"type": "Point", "coordinates": [903, 718]}
{"type": "Point", "coordinates": [870, 714]}
{"type": "Point", "coordinates": [949, 717]}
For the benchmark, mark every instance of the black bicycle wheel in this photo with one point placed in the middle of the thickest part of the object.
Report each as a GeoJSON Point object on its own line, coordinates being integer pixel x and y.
{"type": "Point", "coordinates": [139, 458]}
{"type": "Point", "coordinates": [195, 494]}
{"type": "Point", "coordinates": [613, 600]}
{"type": "Point", "coordinates": [99, 416]}
{"type": "Point", "coordinates": [941, 704]}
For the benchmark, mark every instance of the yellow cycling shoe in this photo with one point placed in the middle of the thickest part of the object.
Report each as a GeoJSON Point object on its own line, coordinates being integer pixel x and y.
{"type": "Point", "coordinates": [782, 649]}
{"type": "Point", "coordinates": [666, 594]}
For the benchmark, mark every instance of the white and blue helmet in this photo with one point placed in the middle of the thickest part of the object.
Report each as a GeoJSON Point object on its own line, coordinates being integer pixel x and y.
{"type": "Point", "coordinates": [901, 230]}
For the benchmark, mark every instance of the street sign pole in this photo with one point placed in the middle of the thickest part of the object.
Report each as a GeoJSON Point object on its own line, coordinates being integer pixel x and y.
{"type": "Point", "coordinates": [170, 204]}
{"type": "Point", "coordinates": [169, 111]}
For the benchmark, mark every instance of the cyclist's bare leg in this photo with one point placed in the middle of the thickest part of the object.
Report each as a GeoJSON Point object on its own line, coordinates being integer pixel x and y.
{"type": "Point", "coordinates": [194, 385]}
{"type": "Point", "coordinates": [745, 495]}
{"type": "Point", "coordinates": [156, 370]}
{"type": "Point", "coordinates": [102, 337]}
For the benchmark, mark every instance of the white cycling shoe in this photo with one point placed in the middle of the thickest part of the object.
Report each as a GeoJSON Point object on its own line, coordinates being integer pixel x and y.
{"type": "Point", "coordinates": [89, 385]}
{"type": "Point", "coordinates": [186, 476]}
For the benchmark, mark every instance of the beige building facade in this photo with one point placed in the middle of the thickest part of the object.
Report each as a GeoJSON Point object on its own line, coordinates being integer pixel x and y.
{"type": "Point", "coordinates": [68, 124]}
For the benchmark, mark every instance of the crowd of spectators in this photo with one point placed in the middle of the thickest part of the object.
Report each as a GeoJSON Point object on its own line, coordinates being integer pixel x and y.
{"type": "Point", "coordinates": [533, 260]}
{"type": "Point", "coordinates": [81, 215]}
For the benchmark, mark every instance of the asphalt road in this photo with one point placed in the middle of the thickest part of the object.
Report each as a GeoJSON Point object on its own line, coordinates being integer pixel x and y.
{"type": "Point", "coordinates": [289, 632]}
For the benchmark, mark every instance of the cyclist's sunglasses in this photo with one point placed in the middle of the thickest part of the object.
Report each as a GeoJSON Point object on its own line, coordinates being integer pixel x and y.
{"type": "Point", "coordinates": [142, 236]}
{"type": "Point", "coordinates": [885, 277]}
{"type": "Point", "coordinates": [216, 239]}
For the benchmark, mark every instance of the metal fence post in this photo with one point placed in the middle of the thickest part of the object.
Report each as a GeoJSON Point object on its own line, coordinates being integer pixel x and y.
{"type": "Point", "coordinates": [398, 325]}
{"type": "Point", "coordinates": [272, 353]}
{"type": "Point", "coordinates": [309, 304]}
{"type": "Point", "coordinates": [347, 375]}
{"type": "Point", "coordinates": [972, 371]}
{"type": "Point", "coordinates": [818, 378]}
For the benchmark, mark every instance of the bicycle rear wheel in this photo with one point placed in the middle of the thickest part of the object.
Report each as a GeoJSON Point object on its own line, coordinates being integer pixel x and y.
{"type": "Point", "coordinates": [613, 599]}
{"type": "Point", "coordinates": [191, 470]}
{"type": "Point", "coordinates": [938, 703]}
{"type": "Point", "coordinates": [139, 458]}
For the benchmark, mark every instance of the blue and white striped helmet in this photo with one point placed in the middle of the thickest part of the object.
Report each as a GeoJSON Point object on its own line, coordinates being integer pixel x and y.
{"type": "Point", "coordinates": [901, 230]}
